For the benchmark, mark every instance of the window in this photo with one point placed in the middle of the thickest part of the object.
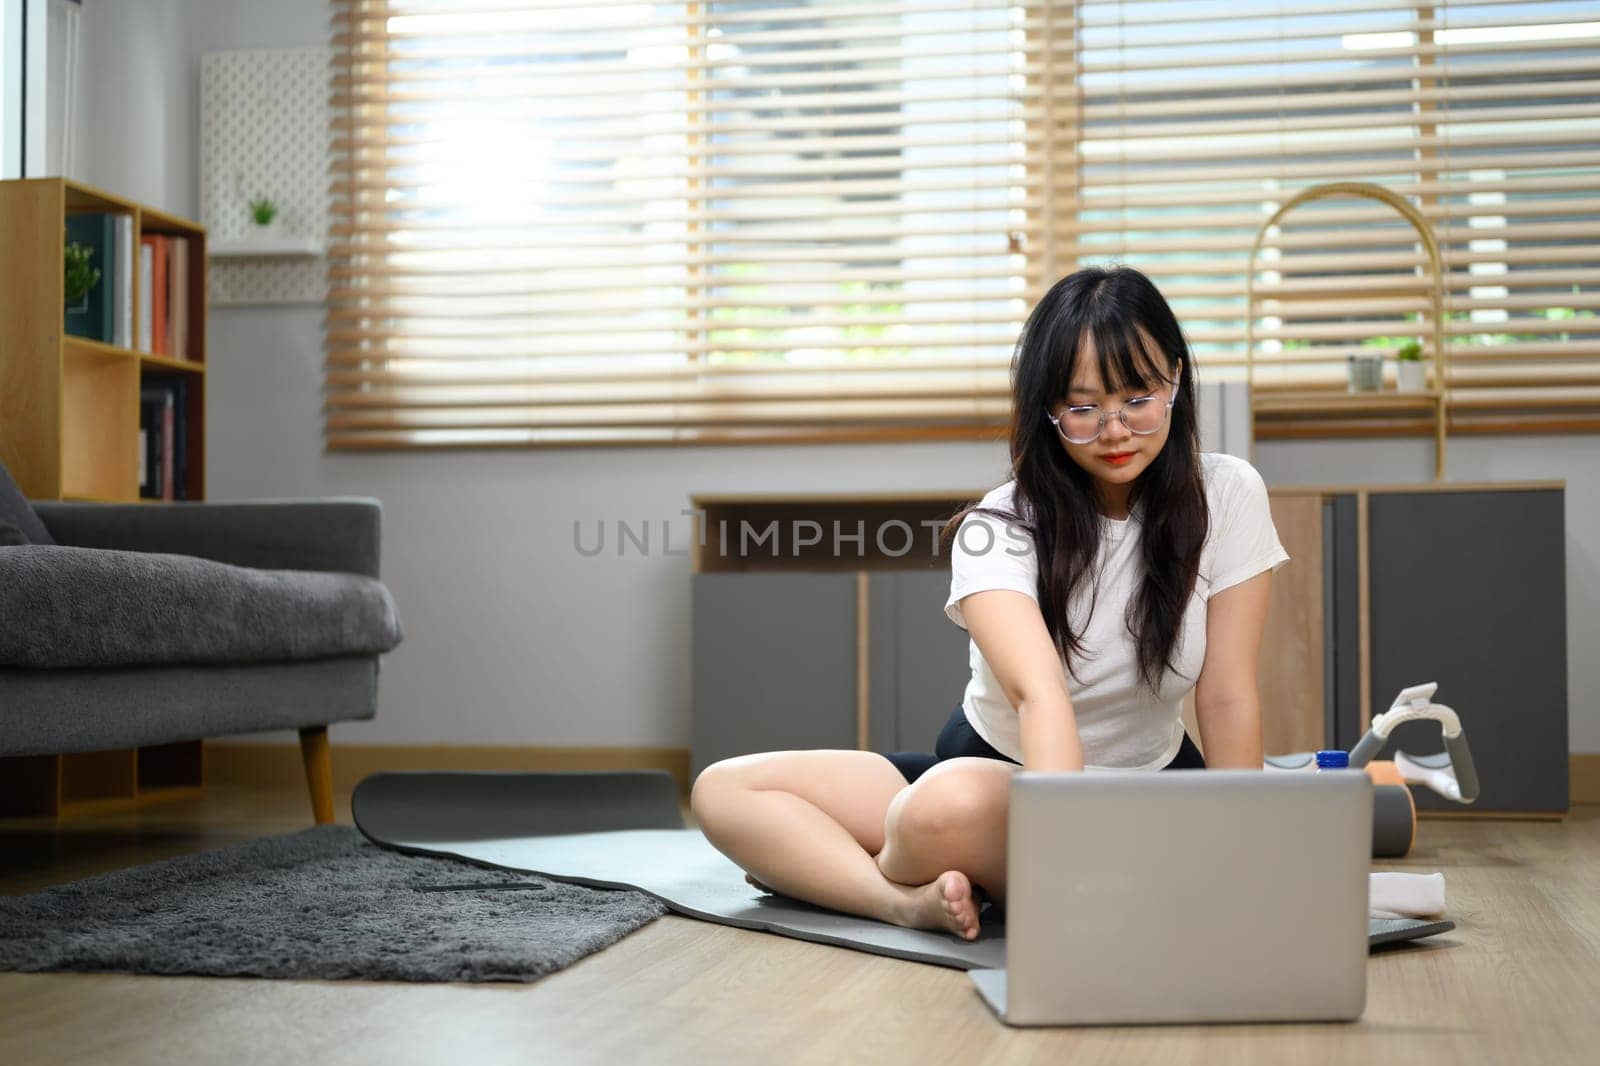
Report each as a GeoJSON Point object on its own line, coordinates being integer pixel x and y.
{"type": "Point", "coordinates": [12, 86]}
{"type": "Point", "coordinates": [1200, 120]}
{"type": "Point", "coordinates": [817, 220]}
{"type": "Point", "coordinates": [646, 222]}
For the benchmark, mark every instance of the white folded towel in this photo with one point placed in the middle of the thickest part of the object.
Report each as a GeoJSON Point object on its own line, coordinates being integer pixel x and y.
{"type": "Point", "coordinates": [1391, 895]}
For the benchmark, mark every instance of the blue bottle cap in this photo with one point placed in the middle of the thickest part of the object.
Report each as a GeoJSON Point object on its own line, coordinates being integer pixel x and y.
{"type": "Point", "coordinates": [1333, 760]}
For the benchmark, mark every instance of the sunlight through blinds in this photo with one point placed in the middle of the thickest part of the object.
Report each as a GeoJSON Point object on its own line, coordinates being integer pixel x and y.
{"type": "Point", "coordinates": [644, 222]}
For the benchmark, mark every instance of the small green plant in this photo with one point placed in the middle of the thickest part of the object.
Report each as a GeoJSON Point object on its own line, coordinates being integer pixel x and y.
{"type": "Point", "coordinates": [1409, 352]}
{"type": "Point", "coordinates": [263, 211]}
{"type": "Point", "coordinates": [81, 274]}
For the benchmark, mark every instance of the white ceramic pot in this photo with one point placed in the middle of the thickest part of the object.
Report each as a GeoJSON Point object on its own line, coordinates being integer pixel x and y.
{"type": "Point", "coordinates": [1413, 375]}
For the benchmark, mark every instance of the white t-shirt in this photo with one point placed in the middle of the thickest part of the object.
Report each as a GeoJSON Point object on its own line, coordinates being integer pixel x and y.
{"type": "Point", "coordinates": [1120, 724]}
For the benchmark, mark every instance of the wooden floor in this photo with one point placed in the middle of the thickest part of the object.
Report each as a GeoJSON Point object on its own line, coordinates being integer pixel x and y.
{"type": "Point", "coordinates": [1517, 982]}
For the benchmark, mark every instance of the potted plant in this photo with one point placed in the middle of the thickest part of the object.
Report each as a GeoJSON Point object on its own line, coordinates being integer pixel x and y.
{"type": "Point", "coordinates": [81, 276]}
{"type": "Point", "coordinates": [82, 320]}
{"type": "Point", "coordinates": [264, 216]}
{"type": "Point", "coordinates": [1411, 371]}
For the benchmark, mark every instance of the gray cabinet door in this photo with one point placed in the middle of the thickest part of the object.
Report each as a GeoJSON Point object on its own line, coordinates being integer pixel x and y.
{"type": "Point", "coordinates": [931, 656]}
{"type": "Point", "coordinates": [774, 664]}
{"type": "Point", "coordinates": [1342, 622]}
{"type": "Point", "coordinates": [919, 665]}
{"type": "Point", "coordinates": [1469, 589]}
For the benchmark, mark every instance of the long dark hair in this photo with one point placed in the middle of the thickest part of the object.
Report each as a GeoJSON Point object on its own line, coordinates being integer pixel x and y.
{"type": "Point", "coordinates": [1056, 501]}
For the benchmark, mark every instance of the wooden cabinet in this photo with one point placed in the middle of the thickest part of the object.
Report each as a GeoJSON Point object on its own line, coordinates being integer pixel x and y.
{"type": "Point", "coordinates": [779, 659]}
{"type": "Point", "coordinates": [69, 406]}
{"type": "Point", "coordinates": [1393, 586]}
{"type": "Point", "coordinates": [919, 660]}
{"type": "Point", "coordinates": [774, 663]}
{"type": "Point", "coordinates": [797, 646]}
{"type": "Point", "coordinates": [1468, 588]}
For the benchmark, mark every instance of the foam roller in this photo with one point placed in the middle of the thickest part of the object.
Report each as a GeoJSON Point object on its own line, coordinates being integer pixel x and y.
{"type": "Point", "coordinates": [1394, 821]}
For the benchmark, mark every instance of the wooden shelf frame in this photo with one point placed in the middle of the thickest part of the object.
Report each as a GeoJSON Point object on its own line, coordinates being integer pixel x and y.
{"type": "Point", "coordinates": [69, 406]}
{"type": "Point", "coordinates": [69, 430]}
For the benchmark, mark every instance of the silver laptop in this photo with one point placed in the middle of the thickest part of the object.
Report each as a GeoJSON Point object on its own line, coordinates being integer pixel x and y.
{"type": "Point", "coordinates": [1184, 896]}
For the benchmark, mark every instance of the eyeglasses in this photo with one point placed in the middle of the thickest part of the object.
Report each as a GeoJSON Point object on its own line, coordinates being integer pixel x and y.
{"type": "Point", "coordinates": [1083, 423]}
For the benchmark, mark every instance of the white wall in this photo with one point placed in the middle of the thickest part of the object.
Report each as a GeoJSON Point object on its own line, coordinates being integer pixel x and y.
{"type": "Point", "coordinates": [131, 133]}
{"type": "Point", "coordinates": [512, 637]}
{"type": "Point", "coordinates": [62, 130]}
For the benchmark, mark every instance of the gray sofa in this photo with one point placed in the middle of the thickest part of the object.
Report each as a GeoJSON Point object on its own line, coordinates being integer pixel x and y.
{"type": "Point", "coordinates": [134, 625]}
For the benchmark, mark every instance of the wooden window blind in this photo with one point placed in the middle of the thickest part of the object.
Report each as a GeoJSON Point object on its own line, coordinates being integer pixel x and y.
{"type": "Point", "coordinates": [702, 222]}
{"type": "Point", "coordinates": [644, 222]}
{"type": "Point", "coordinates": [1200, 120]}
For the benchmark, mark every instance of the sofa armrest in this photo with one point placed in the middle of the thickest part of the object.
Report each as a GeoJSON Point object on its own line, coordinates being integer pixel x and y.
{"type": "Point", "coordinates": [341, 535]}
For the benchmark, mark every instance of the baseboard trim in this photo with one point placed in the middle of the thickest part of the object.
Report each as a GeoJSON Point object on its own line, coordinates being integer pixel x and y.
{"type": "Point", "coordinates": [1472, 814]}
{"type": "Point", "coordinates": [1584, 770]}
{"type": "Point", "coordinates": [279, 765]}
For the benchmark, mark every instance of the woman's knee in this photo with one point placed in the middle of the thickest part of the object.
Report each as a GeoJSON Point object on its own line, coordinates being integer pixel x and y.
{"type": "Point", "coordinates": [951, 800]}
{"type": "Point", "coordinates": [712, 788]}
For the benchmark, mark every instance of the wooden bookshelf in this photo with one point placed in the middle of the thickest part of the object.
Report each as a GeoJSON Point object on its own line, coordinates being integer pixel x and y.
{"type": "Point", "coordinates": [69, 430]}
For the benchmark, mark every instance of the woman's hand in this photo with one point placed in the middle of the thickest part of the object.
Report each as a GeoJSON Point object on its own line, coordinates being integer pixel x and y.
{"type": "Point", "coordinates": [1227, 699]}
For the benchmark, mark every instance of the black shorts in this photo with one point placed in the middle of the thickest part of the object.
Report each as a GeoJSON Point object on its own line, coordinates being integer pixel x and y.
{"type": "Point", "coordinates": [958, 739]}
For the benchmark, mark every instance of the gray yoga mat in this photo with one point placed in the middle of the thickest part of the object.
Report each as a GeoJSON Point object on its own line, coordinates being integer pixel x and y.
{"type": "Point", "coordinates": [623, 829]}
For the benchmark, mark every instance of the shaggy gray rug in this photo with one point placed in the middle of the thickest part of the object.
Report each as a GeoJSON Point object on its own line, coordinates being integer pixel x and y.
{"type": "Point", "coordinates": [321, 903]}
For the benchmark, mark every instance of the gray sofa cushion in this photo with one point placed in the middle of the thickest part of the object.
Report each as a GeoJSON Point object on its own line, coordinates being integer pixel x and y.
{"type": "Point", "coordinates": [92, 607]}
{"type": "Point", "coordinates": [14, 508]}
{"type": "Point", "coordinates": [10, 535]}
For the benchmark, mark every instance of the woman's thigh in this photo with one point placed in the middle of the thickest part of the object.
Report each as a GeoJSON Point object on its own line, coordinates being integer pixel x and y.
{"type": "Point", "coordinates": [854, 788]}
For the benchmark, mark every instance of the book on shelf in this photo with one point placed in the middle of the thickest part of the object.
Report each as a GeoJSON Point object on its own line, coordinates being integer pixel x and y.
{"type": "Point", "coordinates": [164, 437]}
{"type": "Point", "coordinates": [158, 295]}
{"type": "Point", "coordinates": [164, 320]}
{"type": "Point", "coordinates": [147, 282]}
{"type": "Point", "coordinates": [178, 298]}
{"type": "Point", "coordinates": [122, 325]}
{"type": "Point", "coordinates": [93, 316]}
{"type": "Point", "coordinates": [157, 417]}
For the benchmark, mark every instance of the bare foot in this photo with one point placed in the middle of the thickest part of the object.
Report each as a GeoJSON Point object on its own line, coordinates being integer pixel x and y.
{"type": "Point", "coordinates": [946, 903]}
{"type": "Point", "coordinates": [759, 886]}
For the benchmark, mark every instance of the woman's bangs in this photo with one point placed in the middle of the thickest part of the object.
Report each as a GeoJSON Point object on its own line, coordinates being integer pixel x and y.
{"type": "Point", "coordinates": [1126, 365]}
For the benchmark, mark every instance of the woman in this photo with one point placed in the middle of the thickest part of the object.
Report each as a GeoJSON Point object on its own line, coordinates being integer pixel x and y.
{"type": "Point", "coordinates": [1118, 569]}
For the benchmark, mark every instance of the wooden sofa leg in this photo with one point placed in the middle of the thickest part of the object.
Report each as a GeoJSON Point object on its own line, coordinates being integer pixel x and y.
{"type": "Point", "coordinates": [319, 772]}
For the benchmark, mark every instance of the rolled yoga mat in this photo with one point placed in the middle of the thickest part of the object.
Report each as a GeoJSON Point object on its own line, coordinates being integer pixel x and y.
{"type": "Point", "coordinates": [623, 829]}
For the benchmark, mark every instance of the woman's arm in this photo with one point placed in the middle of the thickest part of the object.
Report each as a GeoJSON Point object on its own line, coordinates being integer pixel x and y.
{"type": "Point", "coordinates": [1227, 699]}
{"type": "Point", "coordinates": [1011, 635]}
